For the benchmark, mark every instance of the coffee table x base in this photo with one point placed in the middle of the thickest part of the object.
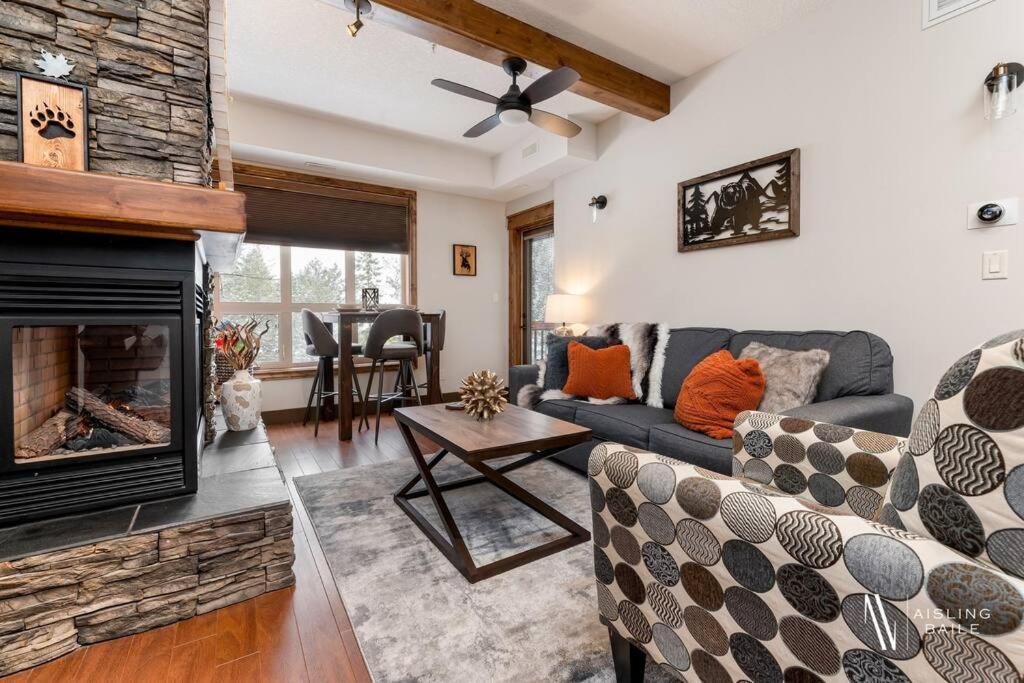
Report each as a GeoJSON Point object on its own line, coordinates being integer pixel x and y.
{"type": "Point", "coordinates": [454, 546]}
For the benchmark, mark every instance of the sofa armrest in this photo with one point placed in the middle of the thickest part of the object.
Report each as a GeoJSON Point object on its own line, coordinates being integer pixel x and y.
{"type": "Point", "coordinates": [888, 413]}
{"type": "Point", "coordinates": [709, 573]}
{"type": "Point", "coordinates": [518, 377]}
{"type": "Point", "coordinates": [846, 470]}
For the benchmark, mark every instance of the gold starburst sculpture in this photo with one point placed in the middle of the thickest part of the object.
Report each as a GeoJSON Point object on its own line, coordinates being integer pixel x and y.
{"type": "Point", "coordinates": [483, 395]}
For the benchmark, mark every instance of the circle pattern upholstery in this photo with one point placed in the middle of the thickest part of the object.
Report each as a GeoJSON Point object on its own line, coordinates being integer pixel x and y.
{"type": "Point", "coordinates": [962, 480]}
{"type": "Point", "coordinates": [758, 586]}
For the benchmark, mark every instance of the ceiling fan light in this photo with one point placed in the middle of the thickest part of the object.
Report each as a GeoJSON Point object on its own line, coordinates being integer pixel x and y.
{"type": "Point", "coordinates": [514, 117]}
{"type": "Point", "coordinates": [354, 27]}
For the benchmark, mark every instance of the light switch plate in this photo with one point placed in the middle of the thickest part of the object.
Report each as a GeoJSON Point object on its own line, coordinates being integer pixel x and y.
{"type": "Point", "coordinates": [1010, 212]}
{"type": "Point", "coordinates": [995, 265]}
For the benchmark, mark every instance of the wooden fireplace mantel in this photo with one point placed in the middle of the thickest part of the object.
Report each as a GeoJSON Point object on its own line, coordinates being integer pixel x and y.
{"type": "Point", "coordinates": [55, 199]}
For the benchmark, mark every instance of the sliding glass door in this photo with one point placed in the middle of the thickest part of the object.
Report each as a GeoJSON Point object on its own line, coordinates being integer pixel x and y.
{"type": "Point", "coordinates": [538, 270]}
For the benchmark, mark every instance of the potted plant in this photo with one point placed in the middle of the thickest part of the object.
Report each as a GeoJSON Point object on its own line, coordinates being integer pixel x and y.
{"type": "Point", "coordinates": [241, 396]}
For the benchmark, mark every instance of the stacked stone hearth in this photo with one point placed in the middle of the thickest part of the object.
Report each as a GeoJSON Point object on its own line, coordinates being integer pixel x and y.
{"type": "Point", "coordinates": [54, 603]}
{"type": "Point", "coordinates": [145, 63]}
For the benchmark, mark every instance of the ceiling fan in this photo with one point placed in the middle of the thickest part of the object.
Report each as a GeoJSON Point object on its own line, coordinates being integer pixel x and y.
{"type": "Point", "coordinates": [515, 107]}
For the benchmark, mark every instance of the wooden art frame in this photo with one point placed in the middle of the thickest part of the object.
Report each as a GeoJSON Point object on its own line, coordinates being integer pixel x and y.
{"type": "Point", "coordinates": [464, 260]}
{"type": "Point", "coordinates": [54, 136]}
{"type": "Point", "coordinates": [751, 202]}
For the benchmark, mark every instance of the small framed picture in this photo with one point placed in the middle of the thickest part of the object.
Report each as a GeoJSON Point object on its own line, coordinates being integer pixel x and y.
{"type": "Point", "coordinates": [52, 123]}
{"type": "Point", "coordinates": [463, 259]}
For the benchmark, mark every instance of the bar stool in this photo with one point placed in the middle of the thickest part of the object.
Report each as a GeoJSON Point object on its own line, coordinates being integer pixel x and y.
{"type": "Point", "coordinates": [399, 322]}
{"type": "Point", "coordinates": [322, 344]}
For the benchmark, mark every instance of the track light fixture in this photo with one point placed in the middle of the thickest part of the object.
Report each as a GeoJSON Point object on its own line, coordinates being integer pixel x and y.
{"type": "Point", "coordinates": [360, 7]}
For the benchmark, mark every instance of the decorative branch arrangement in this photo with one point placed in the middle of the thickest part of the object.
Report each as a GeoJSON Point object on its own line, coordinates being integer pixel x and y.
{"type": "Point", "coordinates": [240, 343]}
{"type": "Point", "coordinates": [483, 395]}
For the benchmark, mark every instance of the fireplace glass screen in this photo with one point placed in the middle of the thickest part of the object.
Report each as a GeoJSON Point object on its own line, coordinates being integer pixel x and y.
{"type": "Point", "coordinates": [90, 390]}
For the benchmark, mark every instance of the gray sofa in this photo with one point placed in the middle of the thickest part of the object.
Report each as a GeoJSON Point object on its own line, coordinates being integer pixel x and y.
{"type": "Point", "coordinates": [856, 390]}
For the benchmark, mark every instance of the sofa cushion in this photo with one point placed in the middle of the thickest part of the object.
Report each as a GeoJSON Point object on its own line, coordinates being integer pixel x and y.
{"type": "Point", "coordinates": [556, 361]}
{"type": "Point", "coordinates": [599, 373]}
{"type": "Point", "coordinates": [562, 409]}
{"type": "Point", "coordinates": [860, 363]}
{"type": "Point", "coordinates": [688, 346]}
{"type": "Point", "coordinates": [719, 389]}
{"type": "Point", "coordinates": [676, 441]}
{"type": "Point", "coordinates": [626, 423]}
{"type": "Point", "coordinates": [791, 377]}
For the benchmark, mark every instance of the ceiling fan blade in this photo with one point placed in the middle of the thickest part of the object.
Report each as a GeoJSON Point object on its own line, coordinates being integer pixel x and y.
{"type": "Point", "coordinates": [482, 127]}
{"type": "Point", "coordinates": [554, 124]}
{"type": "Point", "coordinates": [464, 90]}
{"type": "Point", "coordinates": [550, 84]}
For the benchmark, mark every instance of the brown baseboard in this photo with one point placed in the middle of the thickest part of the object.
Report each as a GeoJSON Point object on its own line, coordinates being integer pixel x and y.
{"type": "Point", "coordinates": [288, 415]}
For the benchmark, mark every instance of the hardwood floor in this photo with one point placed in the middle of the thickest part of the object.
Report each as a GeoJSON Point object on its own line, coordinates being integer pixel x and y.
{"type": "Point", "coordinates": [300, 634]}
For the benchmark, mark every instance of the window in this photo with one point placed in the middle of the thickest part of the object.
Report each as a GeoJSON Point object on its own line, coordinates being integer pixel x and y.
{"type": "Point", "coordinates": [274, 283]}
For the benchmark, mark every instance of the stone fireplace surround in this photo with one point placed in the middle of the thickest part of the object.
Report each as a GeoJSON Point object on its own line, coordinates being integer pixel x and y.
{"type": "Point", "coordinates": [69, 582]}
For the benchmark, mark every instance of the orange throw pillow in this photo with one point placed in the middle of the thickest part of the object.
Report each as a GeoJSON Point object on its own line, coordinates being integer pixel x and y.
{"type": "Point", "coordinates": [599, 373]}
{"type": "Point", "coordinates": [717, 390]}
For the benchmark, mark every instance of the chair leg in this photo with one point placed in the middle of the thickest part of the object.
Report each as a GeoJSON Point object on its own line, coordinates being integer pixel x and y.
{"type": "Point", "coordinates": [629, 659]}
{"type": "Point", "coordinates": [355, 380]}
{"type": "Point", "coordinates": [412, 383]}
{"type": "Point", "coordinates": [321, 369]}
{"type": "Point", "coordinates": [312, 390]}
{"type": "Point", "coordinates": [380, 397]}
{"type": "Point", "coordinates": [366, 397]}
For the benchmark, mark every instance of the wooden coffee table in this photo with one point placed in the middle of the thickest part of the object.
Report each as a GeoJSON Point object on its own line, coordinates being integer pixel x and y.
{"type": "Point", "coordinates": [514, 431]}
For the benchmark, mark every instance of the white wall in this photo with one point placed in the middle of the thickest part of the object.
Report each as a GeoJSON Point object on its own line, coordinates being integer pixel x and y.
{"type": "Point", "coordinates": [477, 307]}
{"type": "Point", "coordinates": [894, 146]}
{"type": "Point", "coordinates": [542, 196]}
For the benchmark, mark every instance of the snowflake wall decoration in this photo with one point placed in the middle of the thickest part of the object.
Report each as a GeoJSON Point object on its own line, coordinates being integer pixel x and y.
{"type": "Point", "coordinates": [54, 66]}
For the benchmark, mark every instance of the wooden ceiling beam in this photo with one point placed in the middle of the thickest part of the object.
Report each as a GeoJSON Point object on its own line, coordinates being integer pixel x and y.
{"type": "Point", "coordinates": [479, 31]}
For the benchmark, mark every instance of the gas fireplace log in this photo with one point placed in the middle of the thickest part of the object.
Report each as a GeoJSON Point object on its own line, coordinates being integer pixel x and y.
{"type": "Point", "coordinates": [142, 430]}
{"type": "Point", "coordinates": [47, 437]}
{"type": "Point", "coordinates": [158, 414]}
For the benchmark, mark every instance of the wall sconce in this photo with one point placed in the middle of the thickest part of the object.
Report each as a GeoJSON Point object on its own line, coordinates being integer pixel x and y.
{"type": "Point", "coordinates": [596, 204]}
{"type": "Point", "coordinates": [360, 7]}
{"type": "Point", "coordinates": [1000, 88]}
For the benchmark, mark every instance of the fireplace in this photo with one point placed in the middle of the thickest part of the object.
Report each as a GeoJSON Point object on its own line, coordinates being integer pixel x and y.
{"type": "Point", "coordinates": [92, 389]}
{"type": "Point", "coordinates": [98, 372]}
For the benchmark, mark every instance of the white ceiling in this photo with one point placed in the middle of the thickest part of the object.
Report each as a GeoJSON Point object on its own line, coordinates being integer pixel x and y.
{"type": "Point", "coordinates": [664, 39]}
{"type": "Point", "coordinates": [298, 52]}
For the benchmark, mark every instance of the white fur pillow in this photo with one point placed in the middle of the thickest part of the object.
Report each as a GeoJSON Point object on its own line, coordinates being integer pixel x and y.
{"type": "Point", "coordinates": [790, 377]}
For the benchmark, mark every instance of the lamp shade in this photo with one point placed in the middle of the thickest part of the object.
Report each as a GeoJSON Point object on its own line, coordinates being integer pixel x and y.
{"type": "Point", "coordinates": [563, 308]}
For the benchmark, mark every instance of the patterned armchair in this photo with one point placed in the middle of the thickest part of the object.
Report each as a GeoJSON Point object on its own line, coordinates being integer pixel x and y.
{"type": "Point", "coordinates": [782, 573]}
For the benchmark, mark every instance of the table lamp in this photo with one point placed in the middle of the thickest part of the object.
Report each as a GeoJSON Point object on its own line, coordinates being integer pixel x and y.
{"type": "Point", "coordinates": [563, 309]}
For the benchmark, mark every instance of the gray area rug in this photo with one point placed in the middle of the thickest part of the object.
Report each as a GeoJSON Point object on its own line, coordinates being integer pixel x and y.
{"type": "Point", "coordinates": [418, 619]}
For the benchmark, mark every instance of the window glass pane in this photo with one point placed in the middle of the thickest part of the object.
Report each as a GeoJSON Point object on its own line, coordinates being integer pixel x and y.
{"type": "Point", "coordinates": [318, 276]}
{"type": "Point", "coordinates": [541, 268]}
{"type": "Point", "coordinates": [270, 345]}
{"type": "Point", "coordinates": [299, 354]}
{"type": "Point", "coordinates": [383, 271]}
{"type": "Point", "coordinates": [256, 276]}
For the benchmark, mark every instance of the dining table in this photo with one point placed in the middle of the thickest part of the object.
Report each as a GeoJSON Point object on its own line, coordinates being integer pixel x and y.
{"type": "Point", "coordinates": [346, 319]}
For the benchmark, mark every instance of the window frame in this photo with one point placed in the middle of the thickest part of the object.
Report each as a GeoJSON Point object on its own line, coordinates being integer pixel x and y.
{"type": "Point", "coordinates": [255, 175]}
{"type": "Point", "coordinates": [285, 307]}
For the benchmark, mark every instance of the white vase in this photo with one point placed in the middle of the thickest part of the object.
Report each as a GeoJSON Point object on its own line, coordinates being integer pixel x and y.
{"type": "Point", "coordinates": [241, 400]}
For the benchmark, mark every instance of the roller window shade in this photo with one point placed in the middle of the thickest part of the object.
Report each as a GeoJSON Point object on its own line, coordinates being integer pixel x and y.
{"type": "Point", "coordinates": [325, 219]}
